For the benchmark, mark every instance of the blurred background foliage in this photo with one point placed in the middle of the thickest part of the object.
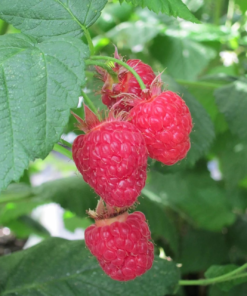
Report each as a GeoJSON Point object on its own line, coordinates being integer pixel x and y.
{"type": "Point", "coordinates": [196, 209]}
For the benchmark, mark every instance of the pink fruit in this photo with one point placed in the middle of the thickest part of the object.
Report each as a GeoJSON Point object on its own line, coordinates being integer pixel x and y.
{"type": "Point", "coordinates": [121, 245]}
{"type": "Point", "coordinates": [112, 158]}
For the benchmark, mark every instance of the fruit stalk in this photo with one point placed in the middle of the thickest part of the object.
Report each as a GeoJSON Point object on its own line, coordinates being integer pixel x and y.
{"type": "Point", "coordinates": [138, 78]}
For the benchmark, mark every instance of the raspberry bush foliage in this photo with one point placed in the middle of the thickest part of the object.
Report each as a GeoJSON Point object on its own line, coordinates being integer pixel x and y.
{"type": "Point", "coordinates": [131, 116]}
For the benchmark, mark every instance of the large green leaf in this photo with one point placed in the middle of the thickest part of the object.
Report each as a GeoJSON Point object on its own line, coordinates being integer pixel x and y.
{"type": "Point", "coordinates": [232, 102]}
{"type": "Point", "coordinates": [203, 133]}
{"type": "Point", "coordinates": [71, 193]}
{"type": "Point", "coordinates": [171, 7]}
{"type": "Point", "coordinates": [45, 18]}
{"type": "Point", "coordinates": [161, 225]}
{"type": "Point", "coordinates": [197, 197]}
{"type": "Point", "coordinates": [181, 57]}
{"type": "Point", "coordinates": [66, 268]}
{"type": "Point", "coordinates": [133, 35]}
{"type": "Point", "coordinates": [39, 83]}
{"type": "Point", "coordinates": [240, 290]}
{"type": "Point", "coordinates": [218, 270]}
{"type": "Point", "coordinates": [201, 249]}
{"type": "Point", "coordinates": [233, 159]}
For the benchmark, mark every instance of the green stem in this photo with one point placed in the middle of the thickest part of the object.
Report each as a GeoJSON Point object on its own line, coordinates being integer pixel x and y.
{"type": "Point", "coordinates": [230, 13]}
{"type": "Point", "coordinates": [65, 143]}
{"type": "Point", "coordinates": [89, 102]}
{"type": "Point", "coordinates": [226, 277]}
{"type": "Point", "coordinates": [138, 78]}
{"type": "Point", "coordinates": [217, 12]}
{"type": "Point", "coordinates": [63, 151]}
{"type": "Point", "coordinates": [104, 66]}
{"type": "Point", "coordinates": [89, 39]}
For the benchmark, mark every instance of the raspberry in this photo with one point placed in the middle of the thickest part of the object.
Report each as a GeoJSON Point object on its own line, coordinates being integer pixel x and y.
{"type": "Point", "coordinates": [111, 92]}
{"type": "Point", "coordinates": [121, 245]}
{"type": "Point", "coordinates": [112, 158]}
{"type": "Point", "coordinates": [165, 122]}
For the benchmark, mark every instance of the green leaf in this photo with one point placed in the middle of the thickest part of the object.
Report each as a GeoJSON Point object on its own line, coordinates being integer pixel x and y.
{"type": "Point", "coordinates": [39, 83]}
{"type": "Point", "coordinates": [233, 160]}
{"type": "Point", "coordinates": [240, 290]}
{"type": "Point", "coordinates": [201, 249]}
{"type": "Point", "coordinates": [218, 270]}
{"type": "Point", "coordinates": [71, 221]}
{"type": "Point", "coordinates": [232, 102]}
{"type": "Point", "coordinates": [46, 18]}
{"type": "Point", "coordinates": [171, 7]}
{"type": "Point", "coordinates": [237, 236]}
{"type": "Point", "coordinates": [203, 133]}
{"type": "Point", "coordinates": [67, 268]}
{"type": "Point", "coordinates": [131, 35]}
{"type": "Point", "coordinates": [242, 5]}
{"type": "Point", "coordinates": [71, 193]}
{"type": "Point", "coordinates": [182, 58]}
{"type": "Point", "coordinates": [161, 225]}
{"type": "Point", "coordinates": [24, 226]}
{"type": "Point", "coordinates": [198, 198]}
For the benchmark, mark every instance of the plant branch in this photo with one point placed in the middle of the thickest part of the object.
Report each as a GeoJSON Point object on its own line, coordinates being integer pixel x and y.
{"type": "Point", "coordinates": [104, 66]}
{"type": "Point", "coordinates": [138, 78]}
{"type": "Point", "coordinates": [226, 277]}
{"type": "Point", "coordinates": [89, 102]}
{"type": "Point", "coordinates": [65, 143]}
{"type": "Point", "coordinates": [89, 39]}
{"type": "Point", "coordinates": [63, 151]}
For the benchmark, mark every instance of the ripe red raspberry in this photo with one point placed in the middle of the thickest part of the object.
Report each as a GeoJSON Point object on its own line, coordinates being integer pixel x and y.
{"type": "Point", "coordinates": [112, 158]}
{"type": "Point", "coordinates": [165, 122]}
{"type": "Point", "coordinates": [111, 92]}
{"type": "Point", "coordinates": [121, 245]}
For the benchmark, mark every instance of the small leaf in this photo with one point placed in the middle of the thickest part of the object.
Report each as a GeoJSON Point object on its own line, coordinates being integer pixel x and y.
{"type": "Point", "coordinates": [218, 270]}
{"type": "Point", "coordinates": [232, 102]}
{"type": "Point", "coordinates": [61, 267]}
{"type": "Point", "coordinates": [171, 7]}
{"type": "Point", "coordinates": [46, 18]}
{"type": "Point", "coordinates": [39, 83]}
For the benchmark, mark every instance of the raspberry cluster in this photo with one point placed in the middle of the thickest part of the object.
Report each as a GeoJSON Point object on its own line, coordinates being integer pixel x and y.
{"type": "Point", "coordinates": [112, 157]}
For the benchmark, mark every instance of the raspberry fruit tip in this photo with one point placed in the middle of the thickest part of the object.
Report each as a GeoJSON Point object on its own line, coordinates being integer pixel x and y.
{"type": "Point", "coordinates": [111, 92]}
{"type": "Point", "coordinates": [112, 158]}
{"type": "Point", "coordinates": [165, 122]}
{"type": "Point", "coordinates": [122, 245]}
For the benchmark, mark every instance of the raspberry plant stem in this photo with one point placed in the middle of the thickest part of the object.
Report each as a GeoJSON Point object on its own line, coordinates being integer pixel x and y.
{"type": "Point", "coordinates": [63, 151]}
{"type": "Point", "coordinates": [104, 66]}
{"type": "Point", "coordinates": [89, 39]}
{"type": "Point", "coordinates": [138, 78]}
{"type": "Point", "coordinates": [223, 278]}
{"type": "Point", "coordinates": [89, 102]}
{"type": "Point", "coordinates": [65, 143]}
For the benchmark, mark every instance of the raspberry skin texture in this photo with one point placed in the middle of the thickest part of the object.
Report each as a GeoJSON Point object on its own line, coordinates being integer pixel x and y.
{"type": "Point", "coordinates": [123, 249]}
{"type": "Point", "coordinates": [165, 122]}
{"type": "Point", "coordinates": [112, 158]}
{"type": "Point", "coordinates": [127, 83]}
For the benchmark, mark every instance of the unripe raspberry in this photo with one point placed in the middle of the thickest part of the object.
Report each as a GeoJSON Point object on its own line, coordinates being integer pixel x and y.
{"type": "Point", "coordinates": [122, 245]}
{"type": "Point", "coordinates": [112, 158]}
{"type": "Point", "coordinates": [111, 92]}
{"type": "Point", "coordinates": [165, 122]}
